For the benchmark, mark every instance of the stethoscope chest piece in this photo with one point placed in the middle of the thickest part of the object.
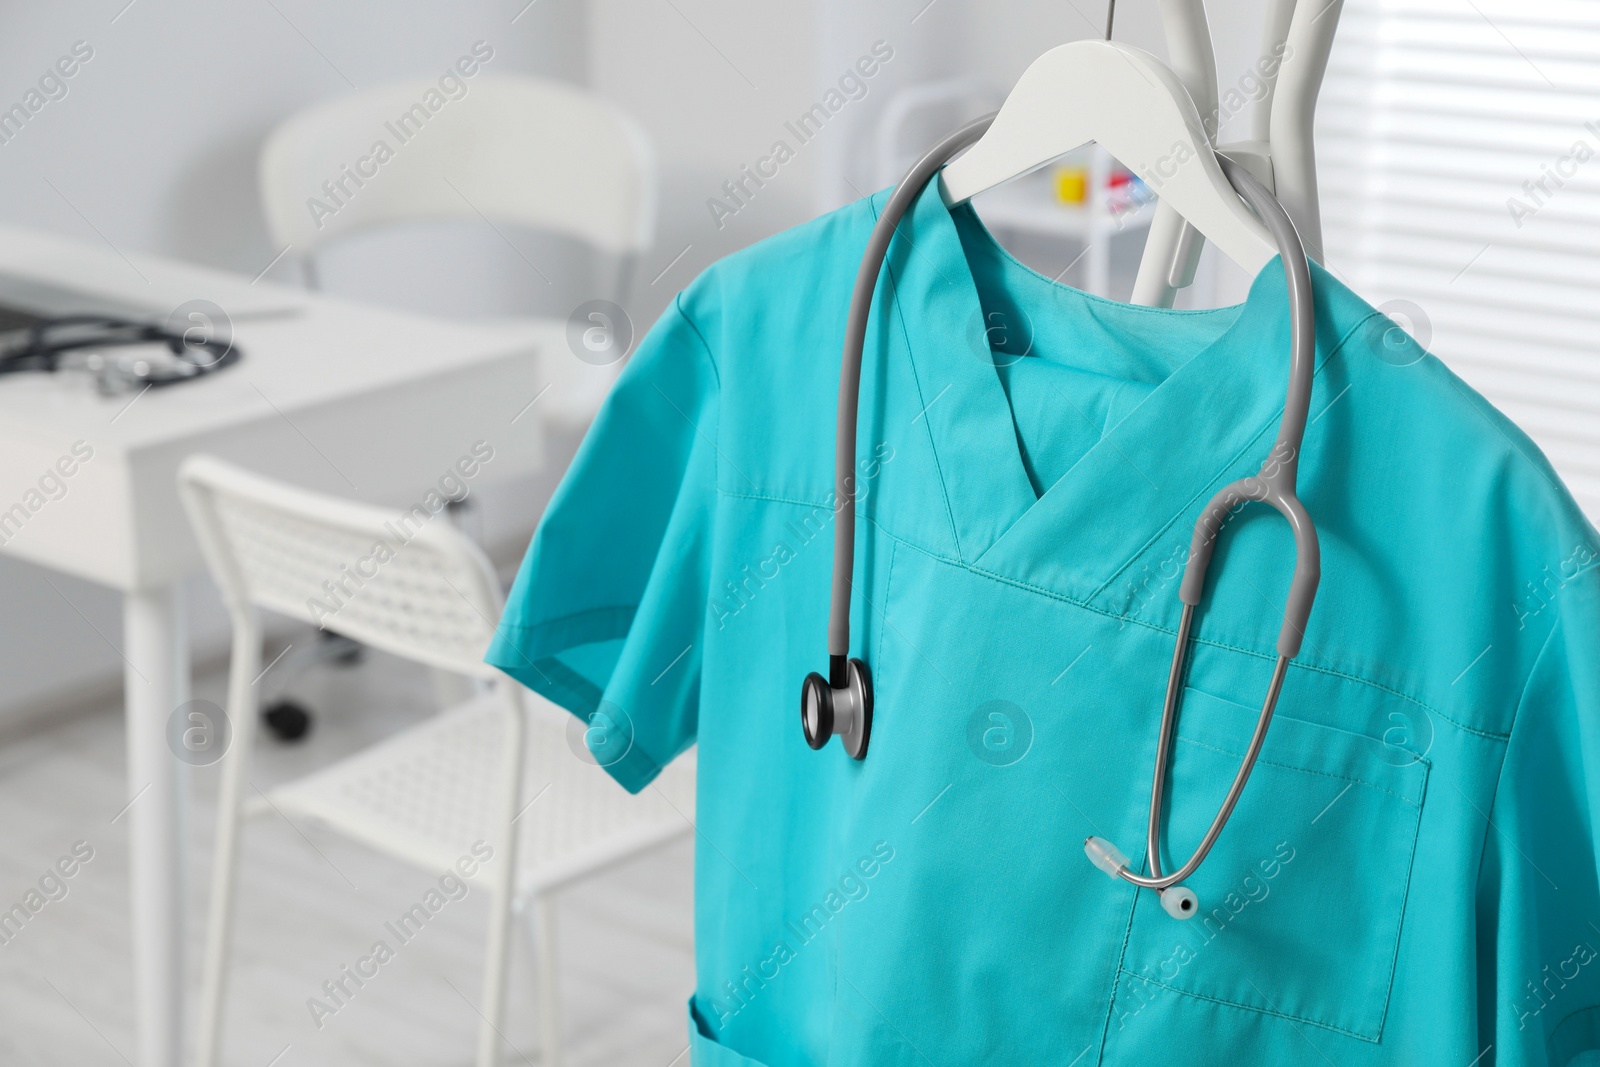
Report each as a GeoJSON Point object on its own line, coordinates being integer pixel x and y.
{"type": "Point", "coordinates": [845, 710]}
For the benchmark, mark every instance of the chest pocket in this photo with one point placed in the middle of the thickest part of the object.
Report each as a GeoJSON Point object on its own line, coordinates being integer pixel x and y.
{"type": "Point", "coordinates": [1301, 900]}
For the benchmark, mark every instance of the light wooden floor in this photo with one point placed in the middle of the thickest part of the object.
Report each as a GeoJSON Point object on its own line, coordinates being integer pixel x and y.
{"type": "Point", "coordinates": [309, 904]}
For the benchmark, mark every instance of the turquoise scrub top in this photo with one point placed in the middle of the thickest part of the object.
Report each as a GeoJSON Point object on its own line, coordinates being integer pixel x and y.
{"type": "Point", "coordinates": [1410, 877]}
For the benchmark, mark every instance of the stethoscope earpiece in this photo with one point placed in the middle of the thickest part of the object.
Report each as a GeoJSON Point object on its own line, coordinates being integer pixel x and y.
{"type": "Point", "coordinates": [1180, 902]}
{"type": "Point", "coordinates": [1176, 900]}
{"type": "Point", "coordinates": [845, 710]}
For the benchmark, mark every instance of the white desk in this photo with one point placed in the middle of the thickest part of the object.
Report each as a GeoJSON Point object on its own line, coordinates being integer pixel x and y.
{"type": "Point", "coordinates": [365, 403]}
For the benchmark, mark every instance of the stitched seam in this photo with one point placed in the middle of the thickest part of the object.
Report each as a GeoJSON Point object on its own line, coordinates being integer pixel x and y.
{"type": "Point", "coordinates": [716, 372]}
{"type": "Point", "coordinates": [1405, 900]}
{"type": "Point", "coordinates": [1311, 770]}
{"type": "Point", "coordinates": [1522, 696]}
{"type": "Point", "coordinates": [884, 530]}
{"type": "Point", "coordinates": [569, 617]}
{"type": "Point", "coordinates": [1092, 297]}
{"type": "Point", "coordinates": [1201, 493]}
{"type": "Point", "coordinates": [1265, 426]}
{"type": "Point", "coordinates": [773, 498]}
{"type": "Point", "coordinates": [911, 360]}
{"type": "Point", "coordinates": [1394, 952]}
{"type": "Point", "coordinates": [1488, 735]}
{"type": "Point", "coordinates": [1333, 672]}
{"type": "Point", "coordinates": [888, 591]}
{"type": "Point", "coordinates": [1116, 981]}
{"type": "Point", "coordinates": [1251, 1007]}
{"type": "Point", "coordinates": [1300, 664]}
{"type": "Point", "coordinates": [1505, 753]}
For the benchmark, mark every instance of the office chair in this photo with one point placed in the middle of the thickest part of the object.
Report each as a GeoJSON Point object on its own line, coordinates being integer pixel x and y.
{"type": "Point", "coordinates": [510, 151]}
{"type": "Point", "coordinates": [427, 794]}
{"type": "Point", "coordinates": [514, 151]}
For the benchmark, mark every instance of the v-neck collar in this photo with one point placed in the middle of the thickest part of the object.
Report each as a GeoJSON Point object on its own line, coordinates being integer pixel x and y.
{"type": "Point", "coordinates": [1205, 423]}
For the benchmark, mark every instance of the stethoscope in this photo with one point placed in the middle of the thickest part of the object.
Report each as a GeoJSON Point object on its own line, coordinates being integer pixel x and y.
{"type": "Point", "coordinates": [842, 703]}
{"type": "Point", "coordinates": [53, 344]}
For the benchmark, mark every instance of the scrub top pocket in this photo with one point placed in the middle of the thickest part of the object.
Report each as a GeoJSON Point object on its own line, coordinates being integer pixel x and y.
{"type": "Point", "coordinates": [1301, 899]}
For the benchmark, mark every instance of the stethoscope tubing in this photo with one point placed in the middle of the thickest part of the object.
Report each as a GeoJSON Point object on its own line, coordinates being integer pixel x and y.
{"type": "Point", "coordinates": [855, 336]}
{"type": "Point", "coordinates": [1273, 484]}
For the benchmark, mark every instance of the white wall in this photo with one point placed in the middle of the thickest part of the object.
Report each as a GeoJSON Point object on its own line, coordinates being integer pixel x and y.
{"type": "Point", "coordinates": [716, 80]}
{"type": "Point", "coordinates": [154, 149]}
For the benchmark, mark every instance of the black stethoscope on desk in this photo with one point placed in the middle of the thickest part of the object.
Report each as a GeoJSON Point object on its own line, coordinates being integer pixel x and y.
{"type": "Point", "coordinates": [90, 342]}
{"type": "Point", "coordinates": [842, 703]}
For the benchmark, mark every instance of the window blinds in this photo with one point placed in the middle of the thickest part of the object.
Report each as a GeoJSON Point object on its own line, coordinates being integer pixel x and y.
{"type": "Point", "coordinates": [1459, 157]}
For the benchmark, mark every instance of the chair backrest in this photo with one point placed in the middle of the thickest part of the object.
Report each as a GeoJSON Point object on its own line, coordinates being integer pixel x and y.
{"type": "Point", "coordinates": [513, 150]}
{"type": "Point", "coordinates": [404, 582]}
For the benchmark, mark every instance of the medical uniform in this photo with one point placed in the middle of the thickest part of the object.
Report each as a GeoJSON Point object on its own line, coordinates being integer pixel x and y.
{"type": "Point", "coordinates": [1410, 876]}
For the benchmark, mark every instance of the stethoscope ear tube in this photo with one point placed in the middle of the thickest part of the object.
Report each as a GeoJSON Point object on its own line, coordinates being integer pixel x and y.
{"type": "Point", "coordinates": [849, 682]}
{"type": "Point", "coordinates": [841, 704]}
{"type": "Point", "coordinates": [1274, 484]}
{"type": "Point", "coordinates": [855, 337]}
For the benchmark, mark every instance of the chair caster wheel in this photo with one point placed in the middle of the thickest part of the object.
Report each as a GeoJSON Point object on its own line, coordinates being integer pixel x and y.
{"type": "Point", "coordinates": [287, 720]}
{"type": "Point", "coordinates": [341, 650]}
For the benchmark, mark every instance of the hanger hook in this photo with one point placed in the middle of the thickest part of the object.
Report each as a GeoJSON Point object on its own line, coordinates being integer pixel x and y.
{"type": "Point", "coordinates": [1111, 14]}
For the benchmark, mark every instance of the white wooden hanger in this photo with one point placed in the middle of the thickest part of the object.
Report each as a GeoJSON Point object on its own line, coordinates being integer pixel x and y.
{"type": "Point", "coordinates": [1134, 107]}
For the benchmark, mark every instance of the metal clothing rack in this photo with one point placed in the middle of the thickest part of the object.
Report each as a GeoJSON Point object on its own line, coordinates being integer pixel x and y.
{"type": "Point", "coordinates": [1297, 37]}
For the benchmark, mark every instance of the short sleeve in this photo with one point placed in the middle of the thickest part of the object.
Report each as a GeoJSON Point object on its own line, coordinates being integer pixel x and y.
{"type": "Point", "coordinates": [1539, 889]}
{"type": "Point", "coordinates": [606, 614]}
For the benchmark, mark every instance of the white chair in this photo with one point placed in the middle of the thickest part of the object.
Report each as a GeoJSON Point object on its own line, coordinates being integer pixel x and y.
{"type": "Point", "coordinates": [517, 151]}
{"type": "Point", "coordinates": [512, 151]}
{"type": "Point", "coordinates": [427, 794]}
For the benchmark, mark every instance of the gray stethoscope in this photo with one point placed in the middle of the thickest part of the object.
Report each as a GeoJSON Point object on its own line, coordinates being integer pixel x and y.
{"type": "Point", "coordinates": [842, 703]}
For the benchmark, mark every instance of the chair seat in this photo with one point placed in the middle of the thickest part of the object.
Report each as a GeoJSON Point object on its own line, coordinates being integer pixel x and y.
{"type": "Point", "coordinates": [426, 796]}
